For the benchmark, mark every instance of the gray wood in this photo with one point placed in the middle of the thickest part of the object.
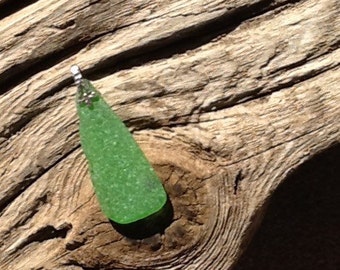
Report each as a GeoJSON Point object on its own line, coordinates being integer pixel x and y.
{"type": "Point", "coordinates": [214, 92]}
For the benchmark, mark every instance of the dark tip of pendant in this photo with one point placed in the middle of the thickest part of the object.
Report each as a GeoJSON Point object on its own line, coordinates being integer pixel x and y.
{"type": "Point", "coordinates": [149, 226]}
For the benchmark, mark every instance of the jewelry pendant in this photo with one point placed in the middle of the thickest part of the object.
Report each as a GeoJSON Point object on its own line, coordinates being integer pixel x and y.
{"type": "Point", "coordinates": [126, 185]}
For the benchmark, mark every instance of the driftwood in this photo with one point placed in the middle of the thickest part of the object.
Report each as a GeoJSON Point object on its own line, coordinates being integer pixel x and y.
{"type": "Point", "coordinates": [225, 98]}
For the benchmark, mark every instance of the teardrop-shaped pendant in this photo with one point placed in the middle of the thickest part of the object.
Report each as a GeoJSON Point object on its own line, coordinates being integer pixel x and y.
{"type": "Point", "coordinates": [126, 185]}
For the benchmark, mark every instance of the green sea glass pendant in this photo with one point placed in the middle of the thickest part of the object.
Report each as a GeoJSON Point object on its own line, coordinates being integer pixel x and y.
{"type": "Point", "coordinates": [126, 185]}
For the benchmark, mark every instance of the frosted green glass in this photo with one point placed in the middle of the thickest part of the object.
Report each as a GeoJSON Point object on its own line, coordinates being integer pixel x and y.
{"type": "Point", "coordinates": [126, 185]}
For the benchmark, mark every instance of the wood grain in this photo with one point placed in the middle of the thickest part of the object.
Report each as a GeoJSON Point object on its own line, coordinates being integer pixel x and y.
{"type": "Point", "coordinates": [225, 99]}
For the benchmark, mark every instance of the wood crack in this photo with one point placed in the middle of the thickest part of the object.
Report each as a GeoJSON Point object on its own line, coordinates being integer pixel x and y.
{"type": "Point", "coordinates": [311, 131]}
{"type": "Point", "coordinates": [43, 234]}
{"type": "Point", "coordinates": [178, 42]}
{"type": "Point", "coordinates": [222, 104]}
{"type": "Point", "coordinates": [183, 40]}
{"type": "Point", "coordinates": [22, 122]}
{"type": "Point", "coordinates": [17, 74]}
{"type": "Point", "coordinates": [29, 181]}
{"type": "Point", "coordinates": [11, 6]}
{"type": "Point", "coordinates": [75, 263]}
{"type": "Point", "coordinates": [33, 210]}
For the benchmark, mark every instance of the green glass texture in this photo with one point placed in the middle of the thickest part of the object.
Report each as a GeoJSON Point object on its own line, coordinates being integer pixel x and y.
{"type": "Point", "coordinates": [126, 185]}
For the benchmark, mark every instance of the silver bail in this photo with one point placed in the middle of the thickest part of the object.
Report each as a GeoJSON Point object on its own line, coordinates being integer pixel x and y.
{"type": "Point", "coordinates": [75, 70]}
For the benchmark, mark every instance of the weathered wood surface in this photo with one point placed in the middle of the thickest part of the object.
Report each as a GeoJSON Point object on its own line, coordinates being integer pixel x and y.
{"type": "Point", "coordinates": [225, 98]}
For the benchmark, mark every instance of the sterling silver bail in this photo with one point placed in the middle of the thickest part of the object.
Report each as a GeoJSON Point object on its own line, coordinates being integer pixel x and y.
{"type": "Point", "coordinates": [75, 70]}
